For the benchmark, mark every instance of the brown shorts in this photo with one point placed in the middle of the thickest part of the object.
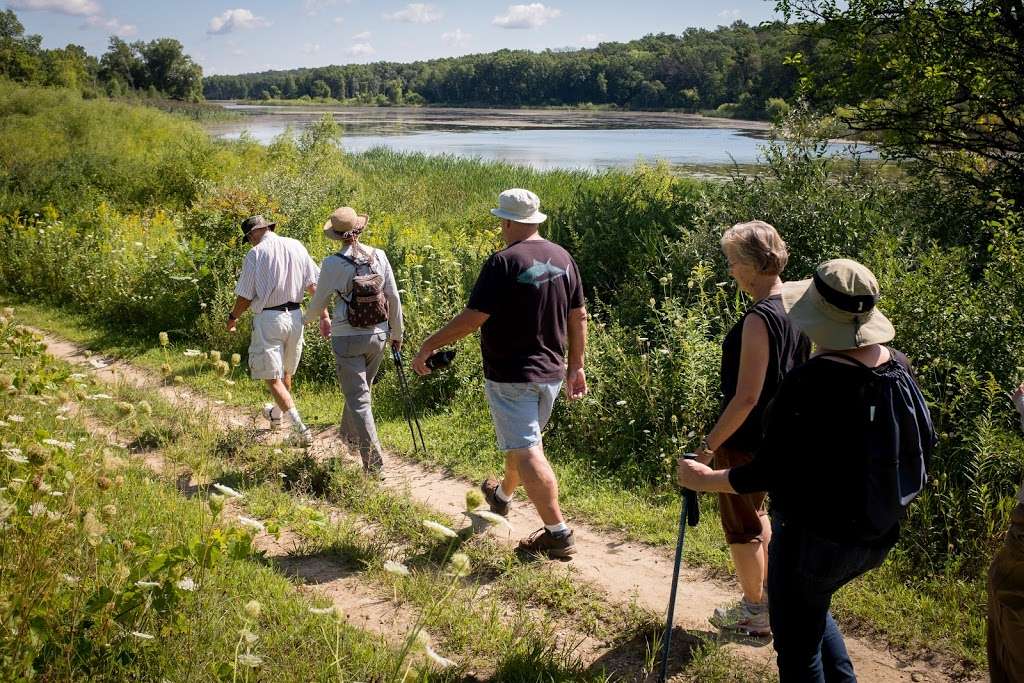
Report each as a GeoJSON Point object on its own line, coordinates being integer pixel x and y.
{"type": "Point", "coordinates": [1006, 606]}
{"type": "Point", "coordinates": [741, 512]}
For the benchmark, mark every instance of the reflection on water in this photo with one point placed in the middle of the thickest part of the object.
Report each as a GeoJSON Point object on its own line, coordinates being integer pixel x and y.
{"type": "Point", "coordinates": [542, 139]}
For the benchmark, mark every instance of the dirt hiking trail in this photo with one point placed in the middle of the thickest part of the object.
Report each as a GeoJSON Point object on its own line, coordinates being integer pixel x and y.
{"type": "Point", "coordinates": [626, 571]}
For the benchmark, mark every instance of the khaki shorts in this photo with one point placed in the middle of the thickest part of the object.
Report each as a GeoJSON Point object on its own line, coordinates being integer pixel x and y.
{"type": "Point", "coordinates": [276, 345]}
{"type": "Point", "coordinates": [1006, 606]}
{"type": "Point", "coordinates": [741, 512]}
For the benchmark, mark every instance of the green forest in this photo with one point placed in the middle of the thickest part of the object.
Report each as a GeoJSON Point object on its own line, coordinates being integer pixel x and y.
{"type": "Point", "coordinates": [736, 70]}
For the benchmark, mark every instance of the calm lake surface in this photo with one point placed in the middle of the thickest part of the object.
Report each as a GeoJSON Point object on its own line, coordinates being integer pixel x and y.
{"type": "Point", "coordinates": [543, 139]}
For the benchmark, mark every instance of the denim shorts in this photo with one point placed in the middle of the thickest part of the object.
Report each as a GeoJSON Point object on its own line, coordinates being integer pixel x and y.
{"type": "Point", "coordinates": [520, 411]}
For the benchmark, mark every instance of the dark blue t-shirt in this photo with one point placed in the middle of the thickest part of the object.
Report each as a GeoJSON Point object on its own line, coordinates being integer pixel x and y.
{"type": "Point", "coordinates": [527, 289]}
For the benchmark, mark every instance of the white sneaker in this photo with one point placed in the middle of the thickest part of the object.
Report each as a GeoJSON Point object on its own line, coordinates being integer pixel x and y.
{"type": "Point", "coordinates": [268, 415]}
{"type": "Point", "coordinates": [740, 618]}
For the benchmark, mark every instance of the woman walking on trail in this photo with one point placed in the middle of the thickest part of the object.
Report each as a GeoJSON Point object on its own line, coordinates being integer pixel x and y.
{"type": "Point", "coordinates": [756, 353]}
{"type": "Point", "coordinates": [844, 450]}
{"type": "Point", "coordinates": [368, 314]}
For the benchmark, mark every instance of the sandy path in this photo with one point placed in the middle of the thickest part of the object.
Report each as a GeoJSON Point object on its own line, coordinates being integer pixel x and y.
{"type": "Point", "coordinates": [625, 570]}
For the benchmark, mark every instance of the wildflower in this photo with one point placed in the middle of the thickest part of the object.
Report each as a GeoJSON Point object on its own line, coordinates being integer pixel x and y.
{"type": "Point", "coordinates": [216, 503]}
{"type": "Point", "coordinates": [145, 407]}
{"type": "Point", "coordinates": [142, 636]}
{"type": "Point", "coordinates": [14, 455]}
{"type": "Point", "coordinates": [250, 660]}
{"type": "Point", "coordinates": [147, 584]}
{"type": "Point", "coordinates": [125, 408]}
{"type": "Point", "coordinates": [333, 611]}
{"type": "Point", "coordinates": [178, 379]}
{"type": "Point", "coordinates": [236, 360]}
{"type": "Point", "coordinates": [8, 312]}
{"type": "Point", "coordinates": [215, 356]}
{"type": "Point", "coordinates": [620, 403]}
{"type": "Point", "coordinates": [108, 512]}
{"type": "Point", "coordinates": [253, 609]}
{"type": "Point", "coordinates": [253, 524]}
{"type": "Point", "coordinates": [474, 499]}
{"type": "Point", "coordinates": [192, 353]}
{"type": "Point", "coordinates": [248, 636]}
{"type": "Point", "coordinates": [460, 564]}
{"type": "Point", "coordinates": [423, 642]}
{"type": "Point", "coordinates": [227, 491]}
{"type": "Point", "coordinates": [94, 528]}
{"type": "Point", "coordinates": [103, 483]}
{"type": "Point", "coordinates": [15, 418]}
{"type": "Point", "coordinates": [6, 381]}
{"type": "Point", "coordinates": [186, 584]}
{"type": "Point", "coordinates": [38, 509]}
{"type": "Point", "coordinates": [439, 530]}
{"type": "Point", "coordinates": [71, 580]}
{"type": "Point", "coordinates": [222, 368]}
{"type": "Point", "coordinates": [165, 369]}
{"type": "Point", "coordinates": [6, 510]}
{"type": "Point", "coordinates": [396, 568]}
{"type": "Point", "coordinates": [164, 340]}
{"type": "Point", "coordinates": [99, 397]}
{"type": "Point", "coordinates": [492, 518]}
{"type": "Point", "coordinates": [66, 445]}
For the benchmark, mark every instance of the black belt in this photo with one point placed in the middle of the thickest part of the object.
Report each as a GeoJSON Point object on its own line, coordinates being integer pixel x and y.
{"type": "Point", "coordinates": [290, 306]}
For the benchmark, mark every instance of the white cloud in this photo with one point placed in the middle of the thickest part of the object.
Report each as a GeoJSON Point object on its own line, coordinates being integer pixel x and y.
{"type": "Point", "coordinates": [458, 37]}
{"type": "Point", "coordinates": [112, 24]}
{"type": "Point", "coordinates": [234, 19]}
{"type": "Point", "coordinates": [533, 15]}
{"type": "Point", "coordinates": [338, 21]}
{"type": "Point", "coordinates": [360, 50]}
{"type": "Point", "coordinates": [311, 48]}
{"type": "Point", "coordinates": [416, 13]}
{"type": "Point", "coordinates": [729, 14]}
{"type": "Point", "coordinates": [312, 7]}
{"type": "Point", "coordinates": [80, 8]}
{"type": "Point", "coordinates": [362, 37]}
{"type": "Point", "coordinates": [591, 39]}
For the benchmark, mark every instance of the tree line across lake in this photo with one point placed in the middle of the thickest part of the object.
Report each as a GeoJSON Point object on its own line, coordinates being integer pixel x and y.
{"type": "Point", "coordinates": [737, 70]}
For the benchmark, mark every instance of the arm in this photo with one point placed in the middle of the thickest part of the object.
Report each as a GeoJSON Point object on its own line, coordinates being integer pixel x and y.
{"type": "Point", "coordinates": [395, 320]}
{"type": "Point", "coordinates": [240, 307]}
{"type": "Point", "coordinates": [753, 367]}
{"type": "Point", "coordinates": [575, 378]}
{"type": "Point", "coordinates": [465, 323]}
{"type": "Point", "coordinates": [322, 292]}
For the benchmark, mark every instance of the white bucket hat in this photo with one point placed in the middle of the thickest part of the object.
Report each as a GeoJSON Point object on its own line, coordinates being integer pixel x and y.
{"type": "Point", "coordinates": [519, 205]}
{"type": "Point", "coordinates": [836, 308]}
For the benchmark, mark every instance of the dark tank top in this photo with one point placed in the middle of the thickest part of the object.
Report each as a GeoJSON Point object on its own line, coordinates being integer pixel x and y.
{"type": "Point", "coordinates": [788, 348]}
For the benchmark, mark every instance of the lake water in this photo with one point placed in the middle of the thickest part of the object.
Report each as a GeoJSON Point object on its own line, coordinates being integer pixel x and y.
{"type": "Point", "coordinates": [543, 139]}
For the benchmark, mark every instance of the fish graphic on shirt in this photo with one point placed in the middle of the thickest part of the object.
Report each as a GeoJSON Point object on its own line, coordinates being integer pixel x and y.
{"type": "Point", "coordinates": [539, 273]}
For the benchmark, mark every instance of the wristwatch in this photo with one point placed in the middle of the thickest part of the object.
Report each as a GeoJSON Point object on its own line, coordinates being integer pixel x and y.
{"type": "Point", "coordinates": [705, 446]}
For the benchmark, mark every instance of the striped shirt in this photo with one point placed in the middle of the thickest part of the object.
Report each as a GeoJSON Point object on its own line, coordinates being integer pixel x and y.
{"type": "Point", "coordinates": [336, 279]}
{"type": "Point", "coordinates": [276, 271]}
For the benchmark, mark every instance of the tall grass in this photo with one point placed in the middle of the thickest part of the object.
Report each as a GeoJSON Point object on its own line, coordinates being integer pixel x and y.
{"type": "Point", "coordinates": [132, 215]}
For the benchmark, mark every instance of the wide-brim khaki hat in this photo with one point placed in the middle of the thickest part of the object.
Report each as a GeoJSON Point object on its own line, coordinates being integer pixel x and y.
{"type": "Point", "coordinates": [519, 205]}
{"type": "Point", "coordinates": [344, 220]}
{"type": "Point", "coordinates": [837, 307]}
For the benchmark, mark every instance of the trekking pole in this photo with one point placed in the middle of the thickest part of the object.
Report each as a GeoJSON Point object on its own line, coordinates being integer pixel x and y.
{"type": "Point", "coordinates": [689, 513]}
{"type": "Point", "coordinates": [409, 405]}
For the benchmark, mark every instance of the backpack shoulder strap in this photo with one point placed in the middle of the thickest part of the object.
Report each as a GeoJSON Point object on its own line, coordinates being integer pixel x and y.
{"type": "Point", "coordinates": [838, 354]}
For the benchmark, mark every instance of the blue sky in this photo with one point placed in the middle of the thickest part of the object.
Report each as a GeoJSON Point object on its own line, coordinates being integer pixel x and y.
{"type": "Point", "coordinates": [254, 35]}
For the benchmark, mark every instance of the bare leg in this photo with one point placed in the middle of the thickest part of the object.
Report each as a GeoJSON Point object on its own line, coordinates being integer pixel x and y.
{"type": "Point", "coordinates": [281, 391]}
{"type": "Point", "coordinates": [533, 469]}
{"type": "Point", "coordinates": [751, 568]}
{"type": "Point", "coordinates": [511, 481]}
{"type": "Point", "coordinates": [766, 534]}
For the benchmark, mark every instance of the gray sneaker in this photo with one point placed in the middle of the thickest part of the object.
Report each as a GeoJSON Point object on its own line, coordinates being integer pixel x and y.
{"type": "Point", "coordinates": [742, 618]}
{"type": "Point", "coordinates": [302, 438]}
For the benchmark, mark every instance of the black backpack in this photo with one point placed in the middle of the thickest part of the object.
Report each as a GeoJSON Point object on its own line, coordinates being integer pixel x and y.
{"type": "Point", "coordinates": [896, 436]}
{"type": "Point", "coordinates": [367, 305]}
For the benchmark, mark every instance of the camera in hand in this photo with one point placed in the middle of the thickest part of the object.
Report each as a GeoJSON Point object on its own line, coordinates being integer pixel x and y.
{"type": "Point", "coordinates": [441, 359]}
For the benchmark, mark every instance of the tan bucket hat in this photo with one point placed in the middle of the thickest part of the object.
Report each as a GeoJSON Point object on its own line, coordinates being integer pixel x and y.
{"type": "Point", "coordinates": [344, 222]}
{"type": "Point", "coordinates": [519, 205]}
{"type": "Point", "coordinates": [836, 308]}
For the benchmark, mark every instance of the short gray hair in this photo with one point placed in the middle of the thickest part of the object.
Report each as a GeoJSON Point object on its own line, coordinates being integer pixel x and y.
{"type": "Point", "coordinates": [757, 244]}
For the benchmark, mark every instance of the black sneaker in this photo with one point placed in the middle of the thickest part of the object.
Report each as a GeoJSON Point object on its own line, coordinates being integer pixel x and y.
{"type": "Point", "coordinates": [543, 542]}
{"type": "Point", "coordinates": [490, 491]}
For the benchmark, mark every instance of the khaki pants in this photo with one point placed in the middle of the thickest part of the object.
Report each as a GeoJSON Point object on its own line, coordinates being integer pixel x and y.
{"type": "Point", "coordinates": [357, 359]}
{"type": "Point", "coordinates": [1006, 606]}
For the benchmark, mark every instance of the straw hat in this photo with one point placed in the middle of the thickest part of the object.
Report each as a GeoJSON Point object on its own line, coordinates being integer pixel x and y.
{"type": "Point", "coordinates": [836, 307]}
{"type": "Point", "coordinates": [345, 222]}
{"type": "Point", "coordinates": [521, 206]}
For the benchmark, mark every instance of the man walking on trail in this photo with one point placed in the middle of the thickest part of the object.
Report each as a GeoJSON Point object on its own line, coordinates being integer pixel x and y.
{"type": "Point", "coordinates": [274, 275]}
{"type": "Point", "coordinates": [528, 300]}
